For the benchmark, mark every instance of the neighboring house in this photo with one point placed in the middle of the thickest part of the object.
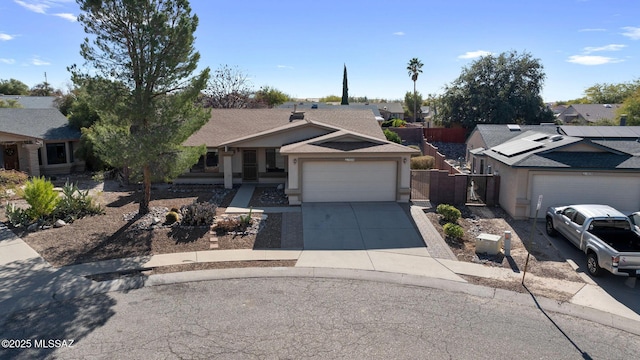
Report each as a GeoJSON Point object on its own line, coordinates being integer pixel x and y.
{"type": "Point", "coordinates": [588, 114]}
{"type": "Point", "coordinates": [391, 110]}
{"type": "Point", "coordinates": [320, 155]}
{"type": "Point", "coordinates": [306, 106]}
{"type": "Point", "coordinates": [32, 102]}
{"type": "Point", "coordinates": [38, 141]}
{"type": "Point", "coordinates": [565, 164]}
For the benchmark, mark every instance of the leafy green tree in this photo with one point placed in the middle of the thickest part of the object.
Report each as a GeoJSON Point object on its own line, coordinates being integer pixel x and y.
{"type": "Point", "coordinates": [13, 87]}
{"type": "Point", "coordinates": [10, 103]}
{"type": "Point", "coordinates": [610, 93]}
{"type": "Point", "coordinates": [330, 98]}
{"type": "Point", "coordinates": [345, 88]}
{"type": "Point", "coordinates": [413, 102]}
{"type": "Point", "coordinates": [271, 96]}
{"type": "Point", "coordinates": [146, 45]}
{"type": "Point", "coordinates": [44, 89]}
{"type": "Point", "coordinates": [630, 108]}
{"type": "Point", "coordinates": [414, 68]}
{"type": "Point", "coordinates": [499, 89]}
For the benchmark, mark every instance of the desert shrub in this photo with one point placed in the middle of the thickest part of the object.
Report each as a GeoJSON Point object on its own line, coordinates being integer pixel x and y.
{"type": "Point", "coordinates": [41, 197]}
{"type": "Point", "coordinates": [12, 178]}
{"type": "Point", "coordinates": [448, 212]}
{"type": "Point", "coordinates": [227, 225]}
{"type": "Point", "coordinates": [17, 216]}
{"type": "Point", "coordinates": [391, 136]}
{"type": "Point", "coordinates": [174, 209]}
{"type": "Point", "coordinates": [453, 230]}
{"type": "Point", "coordinates": [172, 217]}
{"type": "Point", "coordinates": [425, 162]}
{"type": "Point", "coordinates": [75, 204]}
{"type": "Point", "coordinates": [415, 147]}
{"type": "Point", "coordinates": [198, 214]}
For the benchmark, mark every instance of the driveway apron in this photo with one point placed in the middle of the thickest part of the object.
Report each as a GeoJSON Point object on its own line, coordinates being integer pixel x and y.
{"type": "Point", "coordinates": [359, 226]}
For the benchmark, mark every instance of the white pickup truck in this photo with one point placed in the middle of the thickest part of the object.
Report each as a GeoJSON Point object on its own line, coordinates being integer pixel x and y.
{"type": "Point", "coordinates": [605, 234]}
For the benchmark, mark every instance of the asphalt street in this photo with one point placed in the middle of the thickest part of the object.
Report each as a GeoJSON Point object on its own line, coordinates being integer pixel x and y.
{"type": "Point", "coordinates": [293, 318]}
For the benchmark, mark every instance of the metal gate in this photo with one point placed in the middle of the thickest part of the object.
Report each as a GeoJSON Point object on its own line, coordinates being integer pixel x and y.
{"type": "Point", "coordinates": [477, 189]}
{"type": "Point", "coordinates": [420, 184]}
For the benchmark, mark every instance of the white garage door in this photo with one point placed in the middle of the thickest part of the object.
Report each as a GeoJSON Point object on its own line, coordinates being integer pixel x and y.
{"type": "Point", "coordinates": [331, 181]}
{"type": "Point", "coordinates": [621, 192]}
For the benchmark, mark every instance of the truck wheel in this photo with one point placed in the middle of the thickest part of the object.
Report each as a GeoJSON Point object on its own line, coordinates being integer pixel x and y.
{"type": "Point", "coordinates": [592, 264]}
{"type": "Point", "coordinates": [551, 231]}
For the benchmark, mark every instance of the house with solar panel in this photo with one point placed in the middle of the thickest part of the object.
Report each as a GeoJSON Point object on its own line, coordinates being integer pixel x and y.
{"type": "Point", "coordinates": [563, 164]}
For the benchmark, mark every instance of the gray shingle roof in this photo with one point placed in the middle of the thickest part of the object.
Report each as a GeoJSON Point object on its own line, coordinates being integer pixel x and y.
{"type": "Point", "coordinates": [394, 107]}
{"type": "Point", "coordinates": [227, 125]}
{"type": "Point", "coordinates": [32, 102]}
{"type": "Point", "coordinates": [494, 135]}
{"type": "Point", "coordinates": [46, 124]}
{"type": "Point", "coordinates": [592, 112]}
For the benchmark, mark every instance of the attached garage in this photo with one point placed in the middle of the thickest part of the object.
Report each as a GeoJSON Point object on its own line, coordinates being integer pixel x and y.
{"type": "Point", "coordinates": [620, 191]}
{"type": "Point", "coordinates": [330, 181]}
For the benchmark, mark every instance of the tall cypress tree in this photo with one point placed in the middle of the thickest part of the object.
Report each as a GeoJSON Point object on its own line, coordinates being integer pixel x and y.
{"type": "Point", "coordinates": [345, 88]}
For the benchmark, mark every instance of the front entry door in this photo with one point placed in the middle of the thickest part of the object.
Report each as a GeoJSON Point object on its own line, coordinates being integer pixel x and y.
{"type": "Point", "coordinates": [249, 165]}
{"type": "Point", "coordinates": [10, 153]}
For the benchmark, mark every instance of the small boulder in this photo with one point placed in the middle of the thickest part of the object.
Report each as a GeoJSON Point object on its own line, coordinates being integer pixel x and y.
{"type": "Point", "coordinates": [32, 227]}
{"type": "Point", "coordinates": [59, 223]}
{"type": "Point", "coordinates": [156, 220]}
{"type": "Point", "coordinates": [280, 187]}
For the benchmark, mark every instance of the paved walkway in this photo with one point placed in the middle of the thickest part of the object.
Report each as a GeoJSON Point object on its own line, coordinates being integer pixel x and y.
{"type": "Point", "coordinates": [27, 280]}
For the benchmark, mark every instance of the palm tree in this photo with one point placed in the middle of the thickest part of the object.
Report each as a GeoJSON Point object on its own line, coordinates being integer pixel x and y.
{"type": "Point", "coordinates": [414, 68]}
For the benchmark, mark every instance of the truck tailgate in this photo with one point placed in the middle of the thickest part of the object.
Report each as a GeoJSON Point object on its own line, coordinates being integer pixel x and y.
{"type": "Point", "coordinates": [630, 260]}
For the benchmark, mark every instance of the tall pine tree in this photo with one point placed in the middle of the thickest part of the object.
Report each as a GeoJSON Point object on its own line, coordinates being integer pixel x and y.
{"type": "Point", "coordinates": [345, 88]}
{"type": "Point", "coordinates": [147, 45]}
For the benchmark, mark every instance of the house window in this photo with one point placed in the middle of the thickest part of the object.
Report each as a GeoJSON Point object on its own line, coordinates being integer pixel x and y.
{"type": "Point", "coordinates": [209, 160]}
{"type": "Point", "coordinates": [275, 161]}
{"type": "Point", "coordinates": [56, 154]}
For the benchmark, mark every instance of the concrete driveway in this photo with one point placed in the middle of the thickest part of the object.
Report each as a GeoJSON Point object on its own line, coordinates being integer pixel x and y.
{"type": "Point", "coordinates": [358, 226]}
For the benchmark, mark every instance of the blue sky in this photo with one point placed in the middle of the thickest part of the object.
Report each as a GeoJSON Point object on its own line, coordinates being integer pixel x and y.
{"type": "Point", "coordinates": [300, 47]}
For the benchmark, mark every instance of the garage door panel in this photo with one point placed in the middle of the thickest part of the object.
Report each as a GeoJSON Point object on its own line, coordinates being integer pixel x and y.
{"type": "Point", "coordinates": [329, 181]}
{"type": "Point", "coordinates": [620, 192]}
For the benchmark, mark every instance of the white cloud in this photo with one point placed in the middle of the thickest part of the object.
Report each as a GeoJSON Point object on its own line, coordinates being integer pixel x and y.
{"type": "Point", "coordinates": [399, 33]}
{"type": "Point", "coordinates": [474, 54]}
{"type": "Point", "coordinates": [610, 47]}
{"type": "Point", "coordinates": [632, 32]}
{"type": "Point", "coordinates": [39, 7]}
{"type": "Point", "coordinates": [37, 62]}
{"type": "Point", "coordinates": [592, 60]}
{"type": "Point", "coordinates": [7, 61]}
{"type": "Point", "coordinates": [592, 30]}
{"type": "Point", "coordinates": [6, 37]}
{"type": "Point", "coordinates": [67, 16]}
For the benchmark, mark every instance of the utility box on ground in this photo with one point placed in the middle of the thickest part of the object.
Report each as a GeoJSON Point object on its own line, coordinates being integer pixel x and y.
{"type": "Point", "coordinates": [489, 244]}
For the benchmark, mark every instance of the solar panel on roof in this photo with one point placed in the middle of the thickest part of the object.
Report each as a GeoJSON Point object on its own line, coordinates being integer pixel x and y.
{"type": "Point", "coordinates": [516, 147]}
{"type": "Point", "coordinates": [602, 131]}
{"type": "Point", "coordinates": [536, 137]}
